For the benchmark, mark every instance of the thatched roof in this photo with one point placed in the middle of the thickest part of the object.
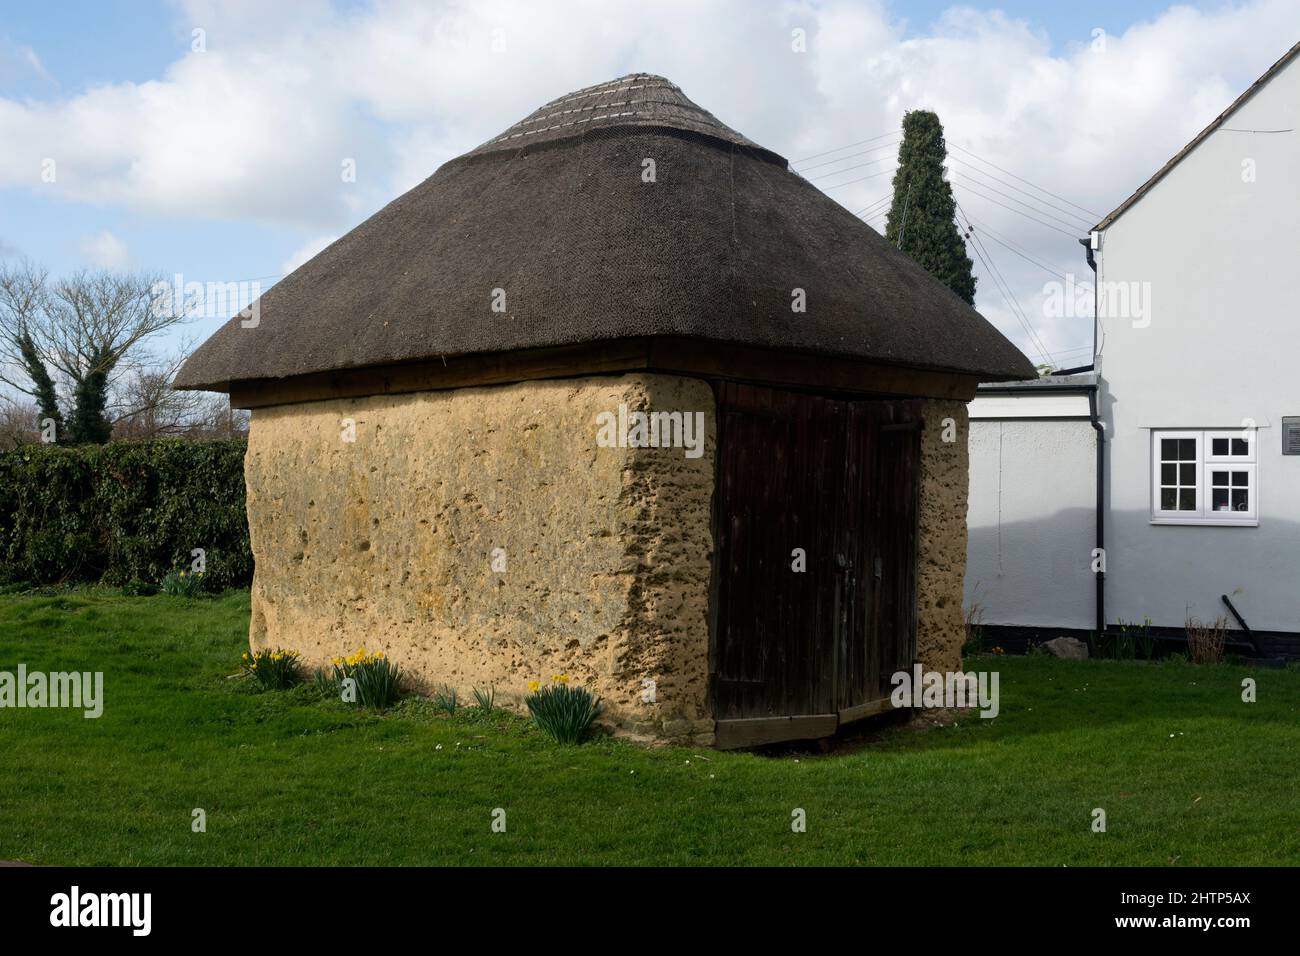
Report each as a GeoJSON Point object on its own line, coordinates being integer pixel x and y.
{"type": "Point", "coordinates": [555, 212]}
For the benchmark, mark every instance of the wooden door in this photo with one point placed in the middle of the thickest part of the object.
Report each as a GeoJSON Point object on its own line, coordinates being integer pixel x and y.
{"type": "Point", "coordinates": [828, 485]}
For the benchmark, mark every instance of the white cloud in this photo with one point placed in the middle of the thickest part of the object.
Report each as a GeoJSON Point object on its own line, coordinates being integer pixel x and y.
{"type": "Point", "coordinates": [28, 57]}
{"type": "Point", "coordinates": [18, 63]}
{"type": "Point", "coordinates": [105, 251]}
{"type": "Point", "coordinates": [255, 129]}
{"type": "Point", "coordinates": [306, 251]}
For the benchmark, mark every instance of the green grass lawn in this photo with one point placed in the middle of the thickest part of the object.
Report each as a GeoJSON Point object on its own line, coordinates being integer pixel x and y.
{"type": "Point", "coordinates": [1186, 772]}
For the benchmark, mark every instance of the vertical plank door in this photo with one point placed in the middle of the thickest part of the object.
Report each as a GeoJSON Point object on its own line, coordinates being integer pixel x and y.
{"type": "Point", "coordinates": [837, 481]}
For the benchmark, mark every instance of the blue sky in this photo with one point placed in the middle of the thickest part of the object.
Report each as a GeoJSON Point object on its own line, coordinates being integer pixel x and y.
{"type": "Point", "coordinates": [222, 165]}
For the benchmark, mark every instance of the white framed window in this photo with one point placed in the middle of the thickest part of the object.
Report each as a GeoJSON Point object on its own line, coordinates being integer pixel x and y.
{"type": "Point", "coordinates": [1204, 477]}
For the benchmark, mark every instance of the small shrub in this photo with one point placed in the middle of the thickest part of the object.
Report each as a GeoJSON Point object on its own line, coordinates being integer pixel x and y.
{"type": "Point", "coordinates": [444, 698]}
{"type": "Point", "coordinates": [1205, 641]}
{"type": "Point", "coordinates": [185, 584]}
{"type": "Point", "coordinates": [138, 588]}
{"type": "Point", "coordinates": [274, 669]}
{"type": "Point", "coordinates": [485, 700]}
{"type": "Point", "coordinates": [1146, 642]}
{"type": "Point", "coordinates": [378, 682]}
{"type": "Point", "coordinates": [564, 713]}
{"type": "Point", "coordinates": [1129, 642]}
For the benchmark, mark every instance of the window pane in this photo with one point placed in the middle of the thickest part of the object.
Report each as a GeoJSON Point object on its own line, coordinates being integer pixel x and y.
{"type": "Point", "coordinates": [1187, 499]}
{"type": "Point", "coordinates": [1187, 449]}
{"type": "Point", "coordinates": [1240, 447]}
{"type": "Point", "coordinates": [1168, 499]}
{"type": "Point", "coordinates": [1169, 474]}
{"type": "Point", "coordinates": [1219, 502]}
{"type": "Point", "coordinates": [1240, 500]}
{"type": "Point", "coordinates": [1219, 478]}
{"type": "Point", "coordinates": [1187, 474]}
{"type": "Point", "coordinates": [1168, 449]}
{"type": "Point", "coordinates": [1239, 479]}
{"type": "Point", "coordinates": [1219, 446]}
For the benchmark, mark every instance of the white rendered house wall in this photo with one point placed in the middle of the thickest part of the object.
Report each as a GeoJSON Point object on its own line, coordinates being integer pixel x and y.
{"type": "Point", "coordinates": [1031, 517]}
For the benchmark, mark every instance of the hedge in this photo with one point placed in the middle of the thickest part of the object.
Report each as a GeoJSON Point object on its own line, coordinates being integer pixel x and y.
{"type": "Point", "coordinates": [124, 512]}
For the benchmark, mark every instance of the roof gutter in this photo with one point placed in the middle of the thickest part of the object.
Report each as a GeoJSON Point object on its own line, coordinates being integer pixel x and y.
{"type": "Point", "coordinates": [1045, 388]}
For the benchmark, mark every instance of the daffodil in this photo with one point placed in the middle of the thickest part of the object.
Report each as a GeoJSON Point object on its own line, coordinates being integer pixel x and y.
{"type": "Point", "coordinates": [534, 686]}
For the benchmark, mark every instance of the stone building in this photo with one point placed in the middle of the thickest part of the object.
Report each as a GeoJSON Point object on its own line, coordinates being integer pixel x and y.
{"type": "Point", "coordinates": [620, 396]}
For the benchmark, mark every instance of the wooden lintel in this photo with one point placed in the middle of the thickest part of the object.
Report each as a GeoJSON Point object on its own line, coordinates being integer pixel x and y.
{"type": "Point", "coordinates": [459, 371]}
{"type": "Point", "coordinates": [826, 374]}
{"type": "Point", "coordinates": [710, 360]}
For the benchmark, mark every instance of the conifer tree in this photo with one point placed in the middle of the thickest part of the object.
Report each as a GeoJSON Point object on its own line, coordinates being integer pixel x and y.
{"type": "Point", "coordinates": [921, 219]}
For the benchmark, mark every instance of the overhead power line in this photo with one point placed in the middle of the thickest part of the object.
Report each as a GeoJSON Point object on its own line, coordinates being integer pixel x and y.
{"type": "Point", "coordinates": [883, 172]}
{"type": "Point", "coordinates": [1064, 222]}
{"type": "Point", "coordinates": [1081, 348]}
{"type": "Point", "coordinates": [968, 168]}
{"type": "Point", "coordinates": [839, 159]}
{"type": "Point", "coordinates": [836, 172]}
{"type": "Point", "coordinates": [975, 192]}
{"type": "Point", "coordinates": [837, 149]}
{"type": "Point", "coordinates": [1095, 216]}
{"type": "Point", "coordinates": [1091, 215]}
{"type": "Point", "coordinates": [875, 207]}
{"type": "Point", "coordinates": [989, 229]}
{"type": "Point", "coordinates": [1032, 261]}
{"type": "Point", "coordinates": [1003, 288]}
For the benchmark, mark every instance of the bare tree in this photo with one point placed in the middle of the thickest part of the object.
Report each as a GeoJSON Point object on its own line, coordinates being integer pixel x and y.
{"type": "Point", "coordinates": [81, 334]}
{"type": "Point", "coordinates": [19, 423]}
{"type": "Point", "coordinates": [217, 419]}
{"type": "Point", "coordinates": [146, 406]}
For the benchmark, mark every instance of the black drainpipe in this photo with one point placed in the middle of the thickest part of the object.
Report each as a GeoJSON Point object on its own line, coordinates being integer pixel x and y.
{"type": "Point", "coordinates": [1094, 418]}
{"type": "Point", "coordinates": [1095, 421]}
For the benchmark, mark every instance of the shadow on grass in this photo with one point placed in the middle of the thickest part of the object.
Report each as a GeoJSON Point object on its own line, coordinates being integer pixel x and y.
{"type": "Point", "coordinates": [1047, 695]}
